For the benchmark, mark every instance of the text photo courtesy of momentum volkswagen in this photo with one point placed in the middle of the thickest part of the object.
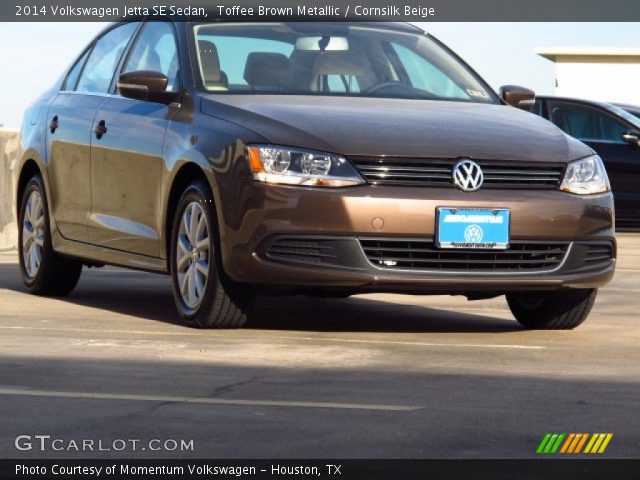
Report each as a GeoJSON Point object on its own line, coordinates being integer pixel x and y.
{"type": "Point", "coordinates": [323, 159]}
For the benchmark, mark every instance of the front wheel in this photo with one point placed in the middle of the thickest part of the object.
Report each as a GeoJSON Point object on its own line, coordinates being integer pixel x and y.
{"type": "Point", "coordinates": [203, 294]}
{"type": "Point", "coordinates": [562, 310]}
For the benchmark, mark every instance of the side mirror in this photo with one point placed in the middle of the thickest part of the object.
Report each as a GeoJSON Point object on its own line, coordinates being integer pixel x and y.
{"type": "Point", "coordinates": [145, 85]}
{"type": "Point", "coordinates": [632, 137]}
{"type": "Point", "coordinates": [519, 97]}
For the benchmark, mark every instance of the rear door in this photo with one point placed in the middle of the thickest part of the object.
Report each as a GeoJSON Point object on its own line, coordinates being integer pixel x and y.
{"type": "Point", "coordinates": [603, 132]}
{"type": "Point", "coordinates": [127, 161]}
{"type": "Point", "coordinates": [71, 116]}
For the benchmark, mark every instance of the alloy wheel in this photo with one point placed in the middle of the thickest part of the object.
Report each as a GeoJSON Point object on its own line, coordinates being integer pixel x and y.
{"type": "Point", "coordinates": [33, 234]}
{"type": "Point", "coordinates": [193, 254]}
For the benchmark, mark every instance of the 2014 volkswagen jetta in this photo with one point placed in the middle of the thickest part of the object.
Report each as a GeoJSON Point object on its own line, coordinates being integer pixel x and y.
{"type": "Point", "coordinates": [296, 158]}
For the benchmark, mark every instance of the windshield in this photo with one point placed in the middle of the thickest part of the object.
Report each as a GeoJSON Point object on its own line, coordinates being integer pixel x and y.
{"type": "Point", "coordinates": [331, 59]}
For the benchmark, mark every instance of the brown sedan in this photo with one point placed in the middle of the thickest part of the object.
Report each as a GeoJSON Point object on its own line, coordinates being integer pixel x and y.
{"type": "Point", "coordinates": [320, 159]}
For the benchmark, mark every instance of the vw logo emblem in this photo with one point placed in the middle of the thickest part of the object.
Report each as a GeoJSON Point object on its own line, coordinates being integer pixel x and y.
{"type": "Point", "coordinates": [473, 234]}
{"type": "Point", "coordinates": [467, 175]}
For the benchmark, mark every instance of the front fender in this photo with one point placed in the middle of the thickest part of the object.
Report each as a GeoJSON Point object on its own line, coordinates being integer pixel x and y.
{"type": "Point", "coordinates": [217, 148]}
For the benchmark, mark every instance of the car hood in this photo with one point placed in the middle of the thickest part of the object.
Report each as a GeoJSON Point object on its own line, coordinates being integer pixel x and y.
{"type": "Point", "coordinates": [398, 127]}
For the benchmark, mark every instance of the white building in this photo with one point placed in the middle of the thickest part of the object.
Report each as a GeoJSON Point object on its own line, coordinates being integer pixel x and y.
{"type": "Point", "coordinates": [604, 74]}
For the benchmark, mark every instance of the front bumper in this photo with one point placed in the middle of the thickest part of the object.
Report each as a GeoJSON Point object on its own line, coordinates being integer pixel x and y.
{"type": "Point", "coordinates": [346, 217]}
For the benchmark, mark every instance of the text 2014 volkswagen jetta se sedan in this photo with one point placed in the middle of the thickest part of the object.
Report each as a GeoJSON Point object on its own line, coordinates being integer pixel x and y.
{"type": "Point", "coordinates": [321, 159]}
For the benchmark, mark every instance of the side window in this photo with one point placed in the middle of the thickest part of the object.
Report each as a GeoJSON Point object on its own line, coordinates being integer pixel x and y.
{"type": "Point", "coordinates": [426, 76]}
{"type": "Point", "coordinates": [232, 54]}
{"type": "Point", "coordinates": [156, 50]}
{"type": "Point", "coordinates": [585, 123]}
{"type": "Point", "coordinates": [74, 73]}
{"type": "Point", "coordinates": [103, 61]}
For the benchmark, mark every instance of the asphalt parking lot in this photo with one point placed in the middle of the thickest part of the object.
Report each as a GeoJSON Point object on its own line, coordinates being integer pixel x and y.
{"type": "Point", "coordinates": [384, 376]}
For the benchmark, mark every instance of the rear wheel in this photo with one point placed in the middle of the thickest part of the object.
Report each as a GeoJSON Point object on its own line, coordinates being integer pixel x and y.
{"type": "Point", "coordinates": [552, 311]}
{"type": "Point", "coordinates": [44, 272]}
{"type": "Point", "coordinates": [203, 294]}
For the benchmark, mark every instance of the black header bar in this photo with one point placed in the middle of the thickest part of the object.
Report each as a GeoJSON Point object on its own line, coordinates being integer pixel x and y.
{"type": "Point", "coordinates": [538, 469]}
{"type": "Point", "coordinates": [326, 10]}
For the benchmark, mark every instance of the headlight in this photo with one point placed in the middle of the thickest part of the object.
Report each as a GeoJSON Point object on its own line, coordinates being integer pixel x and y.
{"type": "Point", "coordinates": [586, 176]}
{"type": "Point", "coordinates": [291, 166]}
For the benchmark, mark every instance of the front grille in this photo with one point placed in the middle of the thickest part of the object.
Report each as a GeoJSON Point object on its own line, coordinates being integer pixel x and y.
{"type": "Point", "coordinates": [426, 172]}
{"type": "Point", "coordinates": [423, 255]}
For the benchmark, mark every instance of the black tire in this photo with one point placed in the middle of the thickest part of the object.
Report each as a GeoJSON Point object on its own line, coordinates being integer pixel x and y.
{"type": "Point", "coordinates": [563, 310]}
{"type": "Point", "coordinates": [224, 304]}
{"type": "Point", "coordinates": [56, 275]}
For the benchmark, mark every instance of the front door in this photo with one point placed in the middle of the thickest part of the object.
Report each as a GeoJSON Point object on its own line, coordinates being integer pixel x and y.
{"type": "Point", "coordinates": [127, 153]}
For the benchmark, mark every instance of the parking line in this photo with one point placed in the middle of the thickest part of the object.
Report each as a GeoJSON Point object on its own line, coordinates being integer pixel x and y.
{"type": "Point", "coordinates": [419, 344]}
{"type": "Point", "coordinates": [205, 400]}
{"type": "Point", "coordinates": [294, 337]}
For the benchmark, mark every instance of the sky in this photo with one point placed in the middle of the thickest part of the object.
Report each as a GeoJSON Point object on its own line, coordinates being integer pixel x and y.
{"type": "Point", "coordinates": [34, 55]}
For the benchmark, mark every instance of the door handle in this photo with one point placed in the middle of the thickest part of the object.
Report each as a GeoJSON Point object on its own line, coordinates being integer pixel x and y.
{"type": "Point", "coordinates": [100, 129]}
{"type": "Point", "coordinates": [53, 126]}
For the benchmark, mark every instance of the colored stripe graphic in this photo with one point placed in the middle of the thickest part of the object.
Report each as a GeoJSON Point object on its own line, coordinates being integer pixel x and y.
{"type": "Point", "coordinates": [598, 442]}
{"type": "Point", "coordinates": [543, 443]}
{"type": "Point", "coordinates": [567, 443]}
{"type": "Point", "coordinates": [573, 443]}
{"type": "Point", "coordinates": [576, 439]}
{"type": "Point", "coordinates": [596, 446]}
{"type": "Point", "coordinates": [605, 443]}
{"type": "Point", "coordinates": [594, 437]}
{"type": "Point", "coordinates": [550, 443]}
{"type": "Point", "coordinates": [581, 443]}
{"type": "Point", "coordinates": [556, 446]}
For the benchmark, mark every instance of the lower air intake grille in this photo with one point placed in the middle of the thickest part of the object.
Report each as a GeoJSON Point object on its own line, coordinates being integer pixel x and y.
{"type": "Point", "coordinates": [300, 251]}
{"type": "Point", "coordinates": [598, 253]}
{"type": "Point", "coordinates": [423, 255]}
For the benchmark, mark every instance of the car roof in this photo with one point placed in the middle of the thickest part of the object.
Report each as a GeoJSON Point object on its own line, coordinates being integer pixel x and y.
{"type": "Point", "coordinates": [627, 106]}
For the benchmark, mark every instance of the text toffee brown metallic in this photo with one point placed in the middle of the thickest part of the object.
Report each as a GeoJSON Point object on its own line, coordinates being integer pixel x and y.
{"type": "Point", "coordinates": [307, 158]}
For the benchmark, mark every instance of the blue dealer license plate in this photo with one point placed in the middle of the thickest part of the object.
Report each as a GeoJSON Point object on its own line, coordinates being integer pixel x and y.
{"type": "Point", "coordinates": [486, 228]}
